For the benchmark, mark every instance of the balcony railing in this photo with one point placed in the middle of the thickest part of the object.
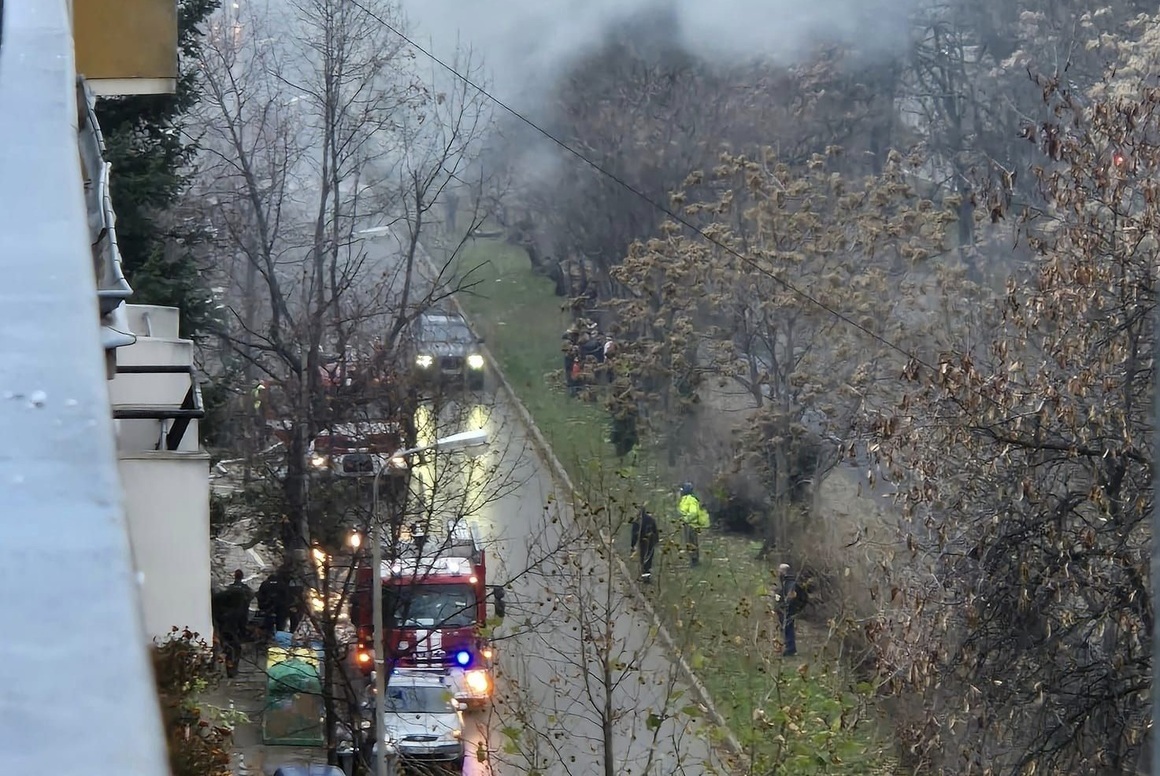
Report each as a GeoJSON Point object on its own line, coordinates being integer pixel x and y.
{"type": "Point", "coordinates": [74, 664]}
{"type": "Point", "coordinates": [191, 407]}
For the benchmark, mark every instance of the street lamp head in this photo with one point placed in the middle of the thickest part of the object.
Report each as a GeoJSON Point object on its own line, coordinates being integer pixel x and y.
{"type": "Point", "coordinates": [462, 440]}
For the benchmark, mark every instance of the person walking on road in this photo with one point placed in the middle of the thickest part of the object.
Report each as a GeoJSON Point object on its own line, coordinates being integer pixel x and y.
{"type": "Point", "coordinates": [644, 541]}
{"type": "Point", "coordinates": [694, 520]}
{"type": "Point", "coordinates": [792, 599]}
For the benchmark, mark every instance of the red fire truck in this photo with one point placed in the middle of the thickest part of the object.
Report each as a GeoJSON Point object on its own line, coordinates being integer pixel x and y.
{"type": "Point", "coordinates": [434, 611]}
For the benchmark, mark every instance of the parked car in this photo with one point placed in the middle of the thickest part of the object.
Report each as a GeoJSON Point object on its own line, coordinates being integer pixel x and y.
{"type": "Point", "coordinates": [424, 723]}
{"type": "Point", "coordinates": [446, 352]}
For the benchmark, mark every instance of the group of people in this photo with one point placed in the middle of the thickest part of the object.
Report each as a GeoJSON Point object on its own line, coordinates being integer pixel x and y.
{"type": "Point", "coordinates": [584, 342]}
{"type": "Point", "coordinates": [281, 604]}
{"type": "Point", "coordinates": [791, 597]}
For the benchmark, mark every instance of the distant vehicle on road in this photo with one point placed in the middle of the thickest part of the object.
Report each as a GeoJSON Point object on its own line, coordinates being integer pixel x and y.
{"type": "Point", "coordinates": [446, 352]}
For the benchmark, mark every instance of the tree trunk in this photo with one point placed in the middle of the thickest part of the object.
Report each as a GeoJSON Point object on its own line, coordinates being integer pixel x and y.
{"type": "Point", "coordinates": [331, 668]}
{"type": "Point", "coordinates": [296, 525]}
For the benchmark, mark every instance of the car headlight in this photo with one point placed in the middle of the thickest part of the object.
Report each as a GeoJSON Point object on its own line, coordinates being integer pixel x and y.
{"type": "Point", "coordinates": [475, 361]}
{"type": "Point", "coordinates": [477, 682]}
{"type": "Point", "coordinates": [424, 361]}
{"type": "Point", "coordinates": [319, 461]}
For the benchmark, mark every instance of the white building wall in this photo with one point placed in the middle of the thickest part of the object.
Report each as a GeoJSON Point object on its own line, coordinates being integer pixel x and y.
{"type": "Point", "coordinates": [167, 501]}
{"type": "Point", "coordinates": [166, 492]}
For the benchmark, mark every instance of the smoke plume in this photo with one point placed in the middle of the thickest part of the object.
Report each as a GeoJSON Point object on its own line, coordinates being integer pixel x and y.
{"type": "Point", "coordinates": [524, 44]}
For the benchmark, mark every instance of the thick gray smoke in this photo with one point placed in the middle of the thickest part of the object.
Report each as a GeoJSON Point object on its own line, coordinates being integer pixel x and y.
{"type": "Point", "coordinates": [525, 43]}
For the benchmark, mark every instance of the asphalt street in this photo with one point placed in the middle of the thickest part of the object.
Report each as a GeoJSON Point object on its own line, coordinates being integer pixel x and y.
{"type": "Point", "coordinates": [567, 620]}
{"type": "Point", "coordinates": [584, 687]}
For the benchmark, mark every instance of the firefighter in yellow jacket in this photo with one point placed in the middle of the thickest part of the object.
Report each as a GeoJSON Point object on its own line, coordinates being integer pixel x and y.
{"type": "Point", "coordinates": [694, 519]}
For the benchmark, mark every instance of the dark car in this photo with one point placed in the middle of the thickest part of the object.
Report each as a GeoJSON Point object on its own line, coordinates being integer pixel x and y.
{"type": "Point", "coordinates": [447, 352]}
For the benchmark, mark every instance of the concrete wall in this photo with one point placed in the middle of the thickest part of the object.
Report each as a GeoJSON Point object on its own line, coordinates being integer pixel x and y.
{"type": "Point", "coordinates": [166, 492]}
{"type": "Point", "coordinates": [167, 501]}
{"type": "Point", "coordinates": [78, 689]}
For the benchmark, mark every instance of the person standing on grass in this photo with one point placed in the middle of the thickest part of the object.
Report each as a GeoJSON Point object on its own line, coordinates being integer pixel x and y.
{"type": "Point", "coordinates": [792, 599]}
{"type": "Point", "coordinates": [644, 541]}
{"type": "Point", "coordinates": [694, 520]}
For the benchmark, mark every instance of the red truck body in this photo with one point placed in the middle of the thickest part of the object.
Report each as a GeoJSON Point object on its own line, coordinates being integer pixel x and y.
{"type": "Point", "coordinates": [434, 612]}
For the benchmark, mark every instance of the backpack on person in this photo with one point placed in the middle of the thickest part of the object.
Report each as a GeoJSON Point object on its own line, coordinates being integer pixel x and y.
{"type": "Point", "coordinates": [799, 599]}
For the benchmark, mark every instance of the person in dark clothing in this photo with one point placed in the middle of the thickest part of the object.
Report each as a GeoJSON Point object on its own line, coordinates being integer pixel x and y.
{"type": "Point", "coordinates": [230, 609]}
{"type": "Point", "coordinates": [792, 600]}
{"type": "Point", "coordinates": [269, 595]}
{"type": "Point", "coordinates": [276, 600]}
{"type": "Point", "coordinates": [295, 601]}
{"type": "Point", "coordinates": [243, 592]}
{"type": "Point", "coordinates": [241, 587]}
{"type": "Point", "coordinates": [645, 537]}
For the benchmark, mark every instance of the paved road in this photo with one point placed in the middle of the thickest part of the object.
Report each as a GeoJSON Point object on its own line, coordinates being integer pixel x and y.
{"type": "Point", "coordinates": [553, 645]}
{"type": "Point", "coordinates": [564, 622]}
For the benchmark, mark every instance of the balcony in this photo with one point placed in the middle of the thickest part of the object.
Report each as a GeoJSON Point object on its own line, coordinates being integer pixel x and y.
{"type": "Point", "coordinates": [165, 473]}
{"type": "Point", "coordinates": [126, 46]}
{"type": "Point", "coordinates": [73, 662]}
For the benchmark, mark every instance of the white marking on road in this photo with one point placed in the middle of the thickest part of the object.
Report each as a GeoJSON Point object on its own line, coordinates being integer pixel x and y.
{"type": "Point", "coordinates": [257, 558]}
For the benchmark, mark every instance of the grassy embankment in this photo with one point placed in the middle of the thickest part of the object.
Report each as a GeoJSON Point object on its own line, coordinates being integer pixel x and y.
{"type": "Point", "coordinates": [724, 605]}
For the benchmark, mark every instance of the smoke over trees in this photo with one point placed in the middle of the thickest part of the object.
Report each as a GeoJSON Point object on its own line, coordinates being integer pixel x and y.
{"type": "Point", "coordinates": [1017, 622]}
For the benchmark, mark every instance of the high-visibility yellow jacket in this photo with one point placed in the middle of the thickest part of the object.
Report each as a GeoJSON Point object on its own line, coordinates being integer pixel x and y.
{"type": "Point", "coordinates": [692, 513]}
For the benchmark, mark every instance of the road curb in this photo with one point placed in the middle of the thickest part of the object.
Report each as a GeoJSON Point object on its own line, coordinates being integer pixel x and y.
{"type": "Point", "coordinates": [561, 475]}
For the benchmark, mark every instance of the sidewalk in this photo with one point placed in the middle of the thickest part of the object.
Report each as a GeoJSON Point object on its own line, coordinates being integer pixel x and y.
{"type": "Point", "coordinates": [247, 691]}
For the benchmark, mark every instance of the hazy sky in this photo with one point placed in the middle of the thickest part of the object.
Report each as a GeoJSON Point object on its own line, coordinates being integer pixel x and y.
{"type": "Point", "coordinates": [524, 42]}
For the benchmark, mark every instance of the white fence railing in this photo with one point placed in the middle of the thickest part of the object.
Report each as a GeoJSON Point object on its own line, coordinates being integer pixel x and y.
{"type": "Point", "coordinates": [77, 689]}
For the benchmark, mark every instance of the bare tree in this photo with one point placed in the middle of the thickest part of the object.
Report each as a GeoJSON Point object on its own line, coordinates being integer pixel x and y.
{"type": "Point", "coordinates": [313, 126]}
{"type": "Point", "coordinates": [325, 148]}
{"type": "Point", "coordinates": [796, 309]}
{"type": "Point", "coordinates": [626, 708]}
{"type": "Point", "coordinates": [1023, 618]}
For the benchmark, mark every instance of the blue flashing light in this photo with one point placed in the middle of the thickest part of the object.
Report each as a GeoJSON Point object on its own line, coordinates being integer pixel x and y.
{"type": "Point", "coordinates": [463, 658]}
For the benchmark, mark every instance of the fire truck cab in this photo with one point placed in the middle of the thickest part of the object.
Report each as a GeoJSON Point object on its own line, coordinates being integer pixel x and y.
{"type": "Point", "coordinates": [434, 611]}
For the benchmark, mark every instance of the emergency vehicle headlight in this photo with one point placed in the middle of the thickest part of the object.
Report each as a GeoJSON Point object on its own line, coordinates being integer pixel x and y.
{"type": "Point", "coordinates": [365, 656]}
{"type": "Point", "coordinates": [424, 361]}
{"type": "Point", "coordinates": [475, 361]}
{"type": "Point", "coordinates": [477, 682]}
{"type": "Point", "coordinates": [463, 658]}
{"type": "Point", "coordinates": [318, 461]}
{"type": "Point", "coordinates": [487, 653]}
{"type": "Point", "coordinates": [473, 580]}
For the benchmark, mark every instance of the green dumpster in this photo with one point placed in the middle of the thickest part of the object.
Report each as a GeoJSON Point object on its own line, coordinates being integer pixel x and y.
{"type": "Point", "coordinates": [294, 713]}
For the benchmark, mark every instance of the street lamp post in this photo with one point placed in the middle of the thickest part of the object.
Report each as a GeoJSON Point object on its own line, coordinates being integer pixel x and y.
{"type": "Point", "coordinates": [453, 442]}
